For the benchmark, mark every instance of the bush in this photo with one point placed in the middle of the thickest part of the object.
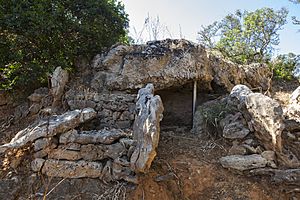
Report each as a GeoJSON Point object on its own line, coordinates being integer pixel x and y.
{"type": "Point", "coordinates": [284, 66]}
{"type": "Point", "coordinates": [37, 36]}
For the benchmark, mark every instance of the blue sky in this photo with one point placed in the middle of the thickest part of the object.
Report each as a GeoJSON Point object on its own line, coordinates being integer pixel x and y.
{"type": "Point", "coordinates": [191, 14]}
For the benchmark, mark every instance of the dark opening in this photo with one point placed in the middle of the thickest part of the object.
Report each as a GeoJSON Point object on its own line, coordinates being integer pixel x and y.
{"type": "Point", "coordinates": [178, 104]}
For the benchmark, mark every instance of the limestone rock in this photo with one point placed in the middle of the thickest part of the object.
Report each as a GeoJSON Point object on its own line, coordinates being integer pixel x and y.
{"type": "Point", "coordinates": [295, 95]}
{"type": "Point", "coordinates": [237, 150]}
{"type": "Point", "coordinates": [42, 143]}
{"type": "Point", "coordinates": [48, 128]}
{"type": "Point", "coordinates": [62, 153]}
{"type": "Point", "coordinates": [103, 136]}
{"type": "Point", "coordinates": [289, 176]}
{"type": "Point", "coordinates": [293, 109]}
{"type": "Point", "coordinates": [267, 120]}
{"type": "Point", "coordinates": [37, 164]}
{"type": "Point", "coordinates": [35, 108]}
{"type": "Point", "coordinates": [146, 128]}
{"type": "Point", "coordinates": [238, 95]}
{"type": "Point", "coordinates": [242, 163]}
{"type": "Point", "coordinates": [178, 62]}
{"type": "Point", "coordinates": [258, 75]}
{"type": "Point", "coordinates": [38, 94]}
{"type": "Point", "coordinates": [269, 155]}
{"type": "Point", "coordinates": [113, 59]}
{"type": "Point", "coordinates": [59, 80]}
{"type": "Point", "coordinates": [235, 130]}
{"type": "Point", "coordinates": [72, 169]}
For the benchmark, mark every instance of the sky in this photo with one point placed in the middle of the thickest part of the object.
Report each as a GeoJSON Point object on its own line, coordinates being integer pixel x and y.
{"type": "Point", "coordinates": [185, 17]}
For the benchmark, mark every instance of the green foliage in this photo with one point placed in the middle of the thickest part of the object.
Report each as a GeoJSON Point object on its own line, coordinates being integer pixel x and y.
{"type": "Point", "coordinates": [213, 113]}
{"type": "Point", "coordinates": [37, 36]}
{"type": "Point", "coordinates": [284, 65]}
{"type": "Point", "coordinates": [245, 37]}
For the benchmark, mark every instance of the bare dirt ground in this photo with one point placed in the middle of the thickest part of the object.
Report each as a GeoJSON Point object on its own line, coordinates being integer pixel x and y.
{"type": "Point", "coordinates": [186, 168]}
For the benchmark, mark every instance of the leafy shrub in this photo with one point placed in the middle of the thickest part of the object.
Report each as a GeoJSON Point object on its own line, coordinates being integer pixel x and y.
{"type": "Point", "coordinates": [212, 113]}
{"type": "Point", "coordinates": [37, 36]}
{"type": "Point", "coordinates": [284, 65]}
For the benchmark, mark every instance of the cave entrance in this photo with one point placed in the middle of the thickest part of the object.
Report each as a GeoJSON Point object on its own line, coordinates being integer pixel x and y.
{"type": "Point", "coordinates": [178, 104]}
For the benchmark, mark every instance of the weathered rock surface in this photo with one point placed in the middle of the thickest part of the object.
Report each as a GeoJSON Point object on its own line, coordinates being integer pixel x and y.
{"type": "Point", "coordinates": [235, 130]}
{"type": "Point", "coordinates": [69, 169]}
{"type": "Point", "coordinates": [38, 94]}
{"type": "Point", "coordinates": [241, 162]}
{"type": "Point", "coordinates": [289, 176]}
{"type": "Point", "coordinates": [146, 128]}
{"type": "Point", "coordinates": [114, 110]}
{"type": "Point", "coordinates": [59, 80]}
{"type": "Point", "coordinates": [238, 95]}
{"type": "Point", "coordinates": [292, 112]}
{"type": "Point", "coordinates": [104, 136]}
{"type": "Point", "coordinates": [267, 120]}
{"type": "Point", "coordinates": [178, 62]}
{"type": "Point", "coordinates": [48, 128]}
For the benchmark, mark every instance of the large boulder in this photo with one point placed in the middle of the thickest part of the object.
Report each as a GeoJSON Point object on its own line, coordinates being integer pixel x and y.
{"type": "Point", "coordinates": [266, 119]}
{"type": "Point", "coordinates": [146, 128]}
{"type": "Point", "coordinates": [171, 63]}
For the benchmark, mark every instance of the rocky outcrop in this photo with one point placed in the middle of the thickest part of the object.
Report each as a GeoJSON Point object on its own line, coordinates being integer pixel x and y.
{"type": "Point", "coordinates": [146, 128]}
{"type": "Point", "coordinates": [49, 128]}
{"type": "Point", "coordinates": [292, 111]}
{"type": "Point", "coordinates": [170, 63]}
{"type": "Point", "coordinates": [267, 120]}
{"type": "Point", "coordinates": [59, 80]}
{"type": "Point", "coordinates": [234, 126]}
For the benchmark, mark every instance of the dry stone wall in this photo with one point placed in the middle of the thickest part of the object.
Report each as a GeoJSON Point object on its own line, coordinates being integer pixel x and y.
{"type": "Point", "coordinates": [62, 149]}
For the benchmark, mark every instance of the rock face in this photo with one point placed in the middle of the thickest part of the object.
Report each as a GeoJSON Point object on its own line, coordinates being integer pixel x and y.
{"type": "Point", "coordinates": [242, 163]}
{"type": "Point", "coordinates": [146, 128]}
{"type": "Point", "coordinates": [178, 62]}
{"type": "Point", "coordinates": [238, 96]}
{"type": "Point", "coordinates": [49, 128]}
{"type": "Point", "coordinates": [267, 120]}
{"type": "Point", "coordinates": [293, 109]}
{"type": "Point", "coordinates": [234, 126]}
{"type": "Point", "coordinates": [59, 80]}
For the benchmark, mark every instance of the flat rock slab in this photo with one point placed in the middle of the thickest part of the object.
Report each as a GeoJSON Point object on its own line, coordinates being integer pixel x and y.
{"type": "Point", "coordinates": [49, 128]}
{"type": "Point", "coordinates": [242, 163]}
{"type": "Point", "coordinates": [70, 169]}
{"type": "Point", "coordinates": [289, 176]}
{"type": "Point", "coordinates": [89, 152]}
{"type": "Point", "coordinates": [92, 137]}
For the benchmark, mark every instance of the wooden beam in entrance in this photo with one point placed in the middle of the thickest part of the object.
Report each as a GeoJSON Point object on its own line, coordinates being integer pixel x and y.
{"type": "Point", "coordinates": [194, 99]}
